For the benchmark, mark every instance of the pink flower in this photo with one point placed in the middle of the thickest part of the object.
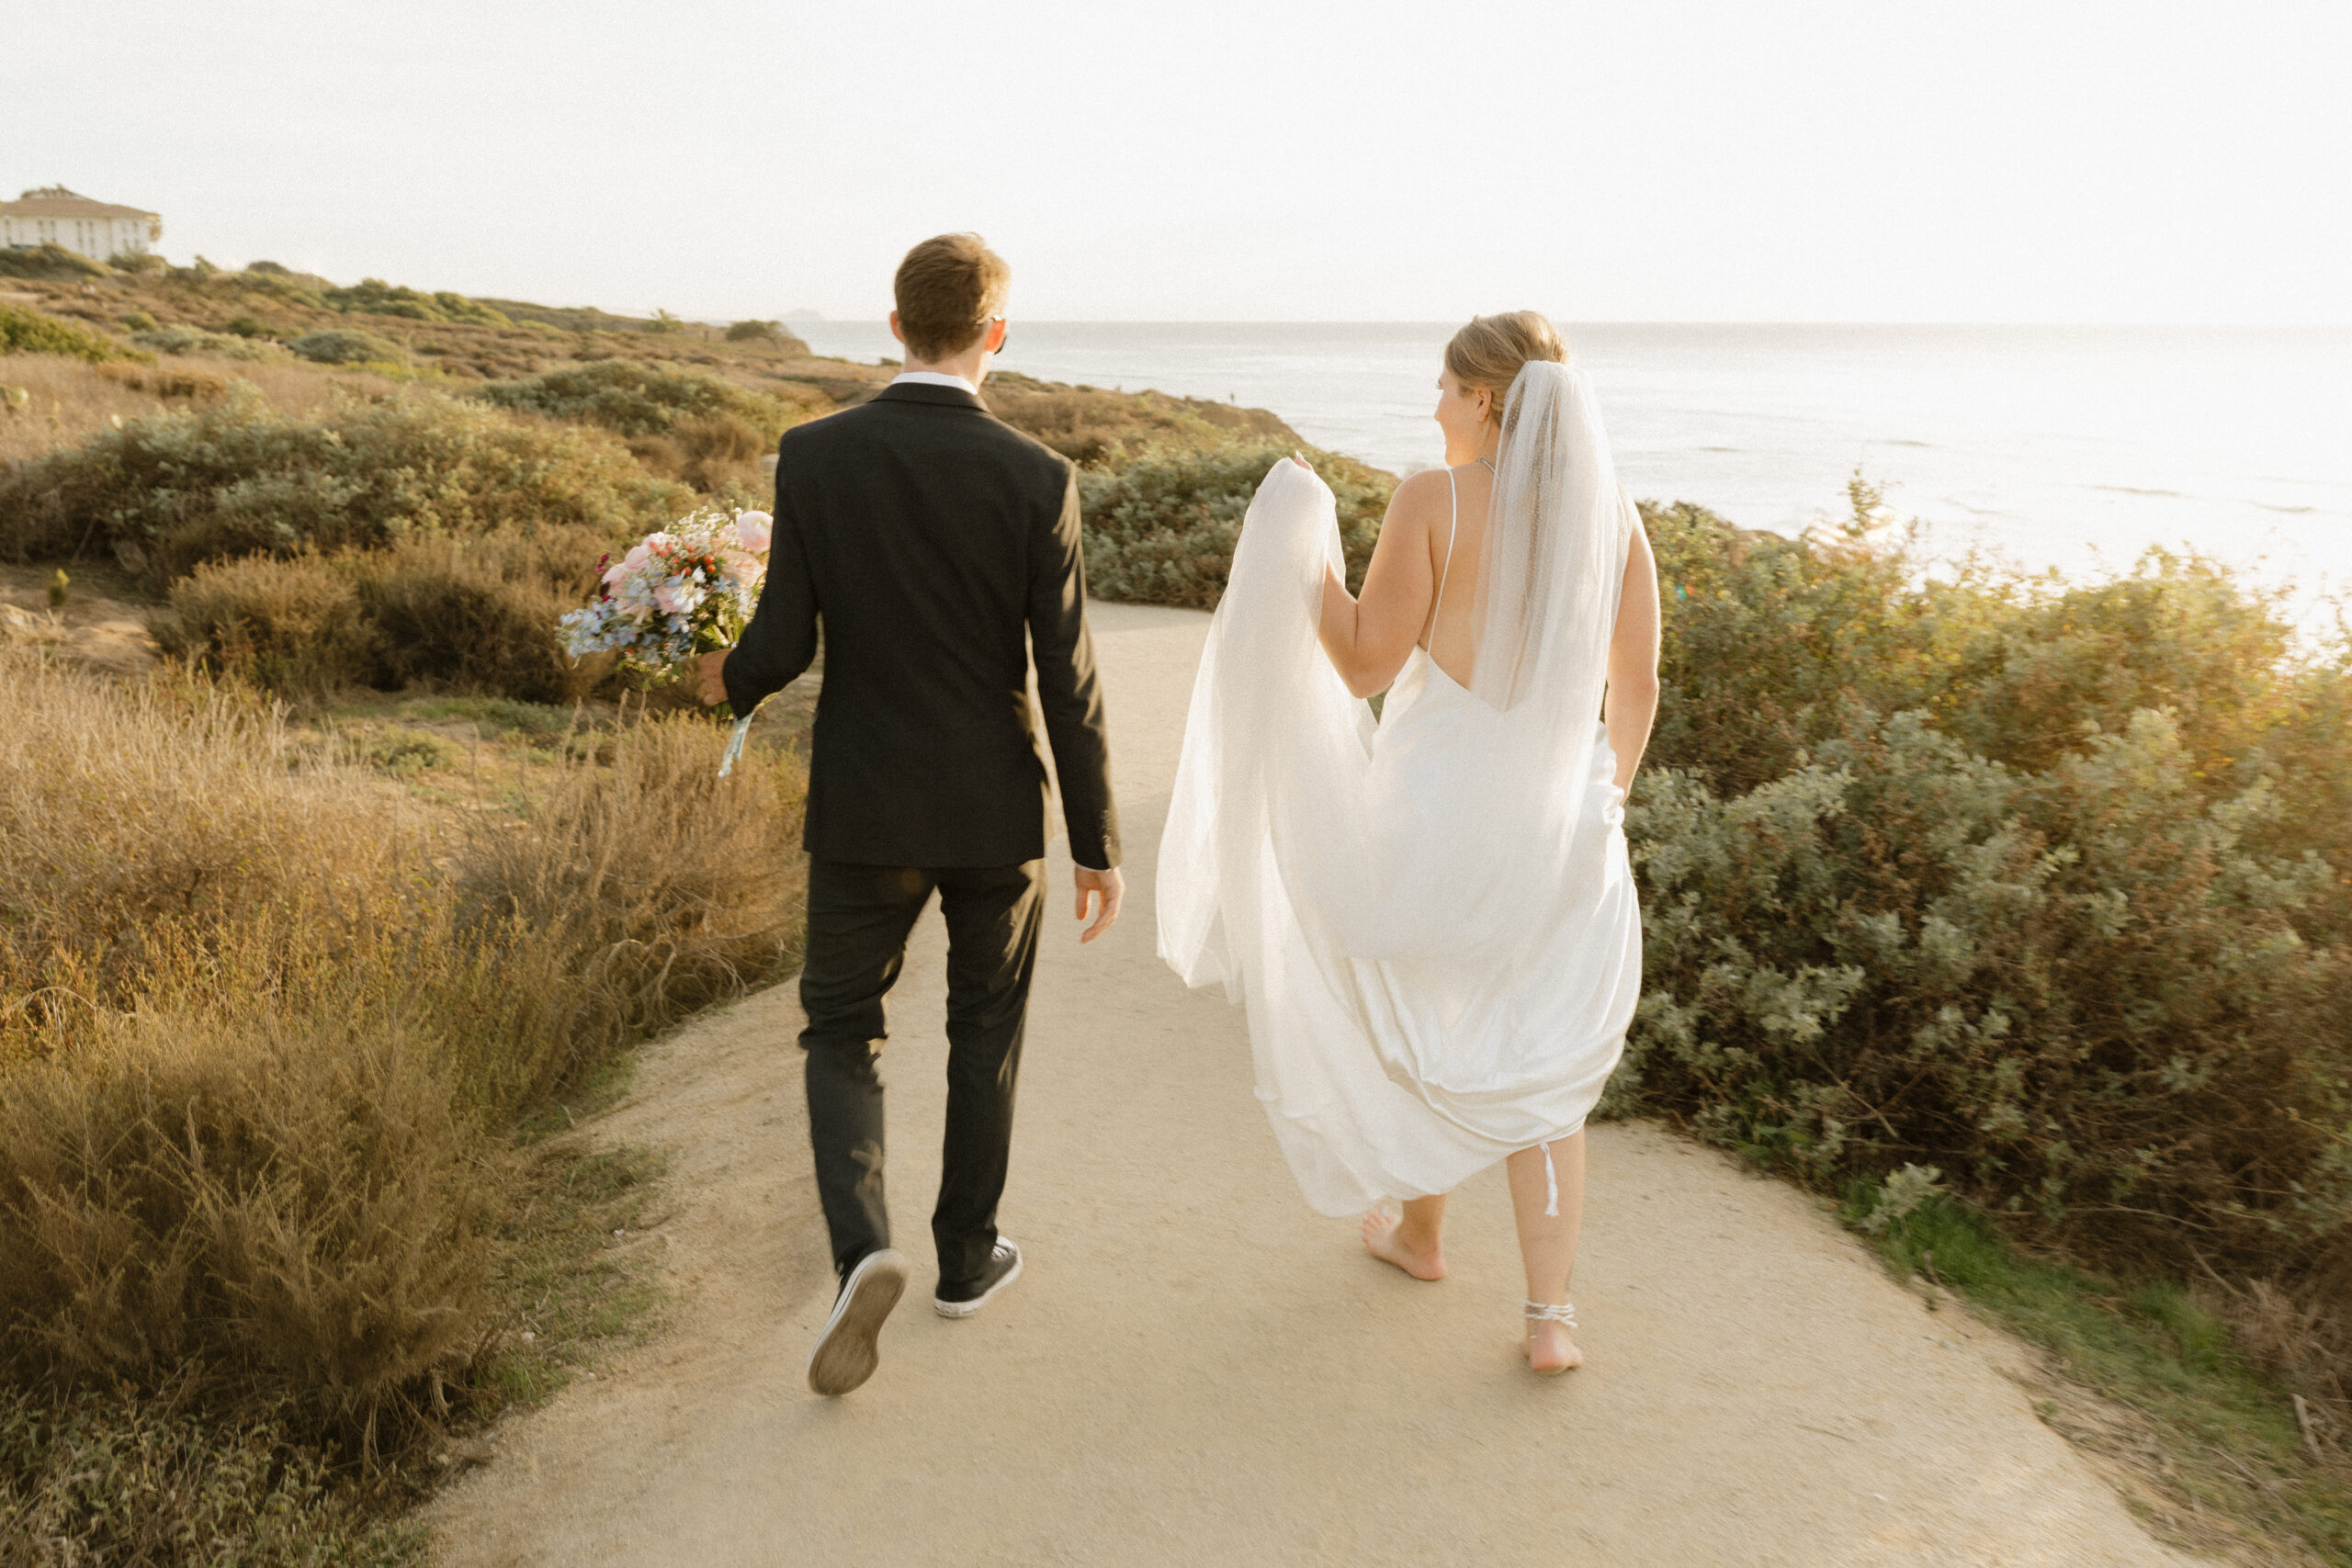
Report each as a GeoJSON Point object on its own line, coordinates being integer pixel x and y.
{"type": "Point", "coordinates": [755, 529]}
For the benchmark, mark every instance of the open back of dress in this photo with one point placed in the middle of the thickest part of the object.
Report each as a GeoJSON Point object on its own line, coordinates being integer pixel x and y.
{"type": "Point", "coordinates": [1432, 920]}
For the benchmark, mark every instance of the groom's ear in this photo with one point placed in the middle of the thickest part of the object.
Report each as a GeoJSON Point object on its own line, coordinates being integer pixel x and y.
{"type": "Point", "coordinates": [897, 330]}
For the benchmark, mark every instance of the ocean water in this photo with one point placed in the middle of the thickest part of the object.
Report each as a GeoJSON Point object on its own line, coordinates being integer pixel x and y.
{"type": "Point", "coordinates": [2076, 447]}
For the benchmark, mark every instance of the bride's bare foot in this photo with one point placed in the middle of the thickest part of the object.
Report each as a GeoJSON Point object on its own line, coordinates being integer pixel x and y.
{"type": "Point", "coordinates": [1548, 1348]}
{"type": "Point", "coordinates": [1385, 1238]}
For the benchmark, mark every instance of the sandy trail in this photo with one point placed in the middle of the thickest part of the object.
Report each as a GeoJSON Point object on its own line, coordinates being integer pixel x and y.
{"type": "Point", "coordinates": [1196, 1369]}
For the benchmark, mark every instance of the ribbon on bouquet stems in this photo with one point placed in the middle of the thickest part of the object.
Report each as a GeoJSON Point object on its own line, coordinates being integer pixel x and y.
{"type": "Point", "coordinates": [734, 744]}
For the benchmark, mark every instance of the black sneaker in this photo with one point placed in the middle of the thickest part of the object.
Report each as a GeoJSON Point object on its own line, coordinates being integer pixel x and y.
{"type": "Point", "coordinates": [846, 1354]}
{"type": "Point", "coordinates": [963, 1300]}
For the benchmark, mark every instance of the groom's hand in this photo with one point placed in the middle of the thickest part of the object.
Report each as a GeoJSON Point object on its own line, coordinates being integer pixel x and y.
{"type": "Point", "coordinates": [1105, 886]}
{"type": "Point", "coordinates": [709, 679]}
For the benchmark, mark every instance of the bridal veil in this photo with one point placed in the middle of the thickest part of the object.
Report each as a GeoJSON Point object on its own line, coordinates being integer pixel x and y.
{"type": "Point", "coordinates": [1430, 919]}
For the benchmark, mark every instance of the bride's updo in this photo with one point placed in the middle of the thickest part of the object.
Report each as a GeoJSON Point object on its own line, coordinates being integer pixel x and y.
{"type": "Point", "coordinates": [1486, 354]}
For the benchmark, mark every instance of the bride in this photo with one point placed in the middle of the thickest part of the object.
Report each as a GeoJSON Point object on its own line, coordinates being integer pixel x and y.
{"type": "Point", "coordinates": [1431, 918]}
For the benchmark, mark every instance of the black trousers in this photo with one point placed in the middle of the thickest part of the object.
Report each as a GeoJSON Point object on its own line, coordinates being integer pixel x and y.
{"type": "Point", "coordinates": [858, 920]}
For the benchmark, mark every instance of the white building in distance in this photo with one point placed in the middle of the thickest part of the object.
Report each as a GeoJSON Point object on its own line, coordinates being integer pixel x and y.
{"type": "Point", "coordinates": [55, 216]}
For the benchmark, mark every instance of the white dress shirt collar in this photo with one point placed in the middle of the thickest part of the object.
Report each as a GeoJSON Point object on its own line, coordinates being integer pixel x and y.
{"type": "Point", "coordinates": [932, 378]}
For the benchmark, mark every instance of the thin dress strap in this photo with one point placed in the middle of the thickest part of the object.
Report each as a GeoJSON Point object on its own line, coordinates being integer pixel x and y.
{"type": "Point", "coordinates": [1452, 527]}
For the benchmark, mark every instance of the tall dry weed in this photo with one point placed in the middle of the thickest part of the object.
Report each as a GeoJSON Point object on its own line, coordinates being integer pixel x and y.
{"type": "Point", "coordinates": [288, 1198]}
{"type": "Point", "coordinates": [642, 887]}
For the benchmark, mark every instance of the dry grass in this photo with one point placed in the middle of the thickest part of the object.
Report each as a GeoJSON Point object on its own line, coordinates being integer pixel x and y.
{"type": "Point", "coordinates": [69, 401]}
{"type": "Point", "coordinates": [271, 1019]}
{"type": "Point", "coordinates": [112, 1479]}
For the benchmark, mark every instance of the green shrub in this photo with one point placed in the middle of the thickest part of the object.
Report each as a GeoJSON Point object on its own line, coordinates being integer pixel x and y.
{"type": "Point", "coordinates": [345, 345]}
{"type": "Point", "coordinates": [1095, 427]}
{"type": "Point", "coordinates": [2040, 883]}
{"type": "Point", "coordinates": [637, 399]}
{"type": "Point", "coordinates": [51, 261]}
{"type": "Point", "coordinates": [29, 331]}
{"type": "Point", "coordinates": [2080, 991]}
{"type": "Point", "coordinates": [184, 340]}
{"type": "Point", "coordinates": [238, 478]}
{"type": "Point", "coordinates": [769, 334]}
{"type": "Point", "coordinates": [374, 296]}
{"type": "Point", "coordinates": [1161, 528]}
{"type": "Point", "coordinates": [139, 322]}
{"type": "Point", "coordinates": [293, 624]}
{"type": "Point", "coordinates": [479, 612]}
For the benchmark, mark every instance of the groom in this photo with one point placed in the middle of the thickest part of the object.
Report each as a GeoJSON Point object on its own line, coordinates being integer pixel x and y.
{"type": "Point", "coordinates": [939, 547]}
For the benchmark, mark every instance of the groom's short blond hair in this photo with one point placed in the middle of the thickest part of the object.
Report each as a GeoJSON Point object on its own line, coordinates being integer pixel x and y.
{"type": "Point", "coordinates": [946, 290]}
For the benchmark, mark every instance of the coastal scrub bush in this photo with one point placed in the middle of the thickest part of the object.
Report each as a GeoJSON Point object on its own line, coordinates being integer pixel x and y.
{"type": "Point", "coordinates": [472, 612]}
{"type": "Point", "coordinates": [345, 345]}
{"type": "Point", "coordinates": [238, 477]}
{"type": "Point", "coordinates": [2079, 991]}
{"type": "Point", "coordinates": [630, 398]}
{"type": "Point", "coordinates": [767, 334]}
{"type": "Point", "coordinates": [2043, 884]}
{"type": "Point", "coordinates": [1160, 527]}
{"type": "Point", "coordinates": [373, 296]}
{"type": "Point", "coordinates": [1096, 428]}
{"type": "Point", "coordinates": [50, 261]}
{"type": "Point", "coordinates": [678, 422]}
{"type": "Point", "coordinates": [292, 624]}
{"type": "Point", "coordinates": [30, 332]}
{"type": "Point", "coordinates": [185, 340]}
{"type": "Point", "coordinates": [165, 381]}
{"type": "Point", "coordinates": [479, 611]}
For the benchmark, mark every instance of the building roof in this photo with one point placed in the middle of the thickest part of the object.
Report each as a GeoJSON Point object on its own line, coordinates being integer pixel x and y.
{"type": "Point", "coordinates": [56, 201]}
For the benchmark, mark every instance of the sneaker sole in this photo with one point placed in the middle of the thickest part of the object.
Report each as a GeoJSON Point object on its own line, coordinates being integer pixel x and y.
{"type": "Point", "coordinates": [846, 1352]}
{"type": "Point", "coordinates": [966, 1309]}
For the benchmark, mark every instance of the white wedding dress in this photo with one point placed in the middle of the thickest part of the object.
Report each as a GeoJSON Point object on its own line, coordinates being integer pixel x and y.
{"type": "Point", "coordinates": [1430, 919]}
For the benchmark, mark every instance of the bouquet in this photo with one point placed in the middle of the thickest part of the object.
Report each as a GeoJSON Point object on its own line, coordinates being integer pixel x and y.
{"type": "Point", "coordinates": [687, 590]}
{"type": "Point", "coordinates": [683, 591]}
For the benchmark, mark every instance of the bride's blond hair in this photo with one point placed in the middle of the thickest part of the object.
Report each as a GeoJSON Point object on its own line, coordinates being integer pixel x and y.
{"type": "Point", "coordinates": [1487, 353]}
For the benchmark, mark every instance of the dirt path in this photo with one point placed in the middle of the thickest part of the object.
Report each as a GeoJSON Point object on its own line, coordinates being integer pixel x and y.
{"type": "Point", "coordinates": [1196, 1369]}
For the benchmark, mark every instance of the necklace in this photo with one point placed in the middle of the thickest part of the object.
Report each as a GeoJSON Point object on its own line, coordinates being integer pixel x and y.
{"type": "Point", "coordinates": [1486, 465]}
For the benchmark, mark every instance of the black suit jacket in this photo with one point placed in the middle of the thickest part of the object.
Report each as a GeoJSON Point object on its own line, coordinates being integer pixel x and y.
{"type": "Point", "coordinates": [937, 546]}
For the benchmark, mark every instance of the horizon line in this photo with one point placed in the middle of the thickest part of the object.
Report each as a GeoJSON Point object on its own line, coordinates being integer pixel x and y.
{"type": "Point", "coordinates": [807, 318]}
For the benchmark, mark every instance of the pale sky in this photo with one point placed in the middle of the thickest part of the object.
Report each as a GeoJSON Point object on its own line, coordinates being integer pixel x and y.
{"type": "Point", "coordinates": [1236, 159]}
